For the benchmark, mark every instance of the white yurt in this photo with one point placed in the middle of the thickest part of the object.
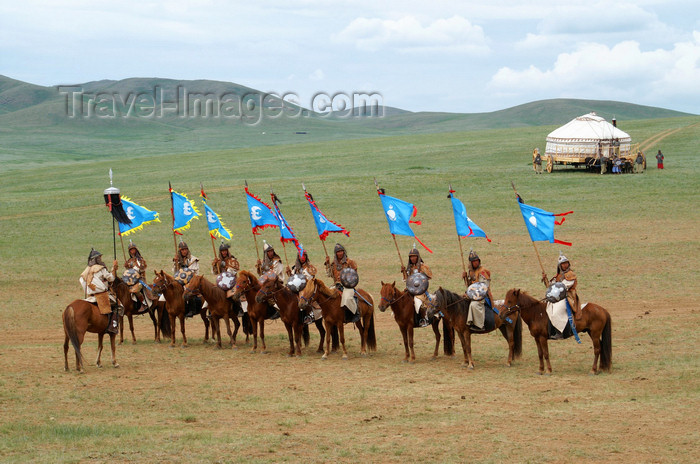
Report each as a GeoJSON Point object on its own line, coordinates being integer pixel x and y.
{"type": "Point", "coordinates": [587, 137]}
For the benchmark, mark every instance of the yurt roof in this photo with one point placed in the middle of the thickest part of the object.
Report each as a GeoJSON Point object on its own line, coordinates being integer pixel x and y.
{"type": "Point", "coordinates": [589, 127]}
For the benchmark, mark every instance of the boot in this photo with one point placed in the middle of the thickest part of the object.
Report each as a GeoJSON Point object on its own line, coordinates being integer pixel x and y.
{"type": "Point", "coordinates": [113, 325]}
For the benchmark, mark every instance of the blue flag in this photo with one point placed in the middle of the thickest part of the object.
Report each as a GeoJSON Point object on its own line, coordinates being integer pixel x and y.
{"type": "Point", "coordinates": [183, 211]}
{"type": "Point", "coordinates": [398, 214]}
{"type": "Point", "coordinates": [540, 223]}
{"type": "Point", "coordinates": [324, 226]}
{"type": "Point", "coordinates": [465, 226]}
{"type": "Point", "coordinates": [216, 227]}
{"type": "Point", "coordinates": [286, 232]}
{"type": "Point", "coordinates": [261, 216]}
{"type": "Point", "coordinates": [138, 215]}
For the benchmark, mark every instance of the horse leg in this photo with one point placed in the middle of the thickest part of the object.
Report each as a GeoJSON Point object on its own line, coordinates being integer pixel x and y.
{"type": "Point", "coordinates": [228, 329]}
{"type": "Point", "coordinates": [436, 331]}
{"type": "Point", "coordinates": [216, 324]}
{"type": "Point", "coordinates": [297, 328]}
{"type": "Point", "coordinates": [65, 352]}
{"type": "Point", "coordinates": [254, 323]}
{"type": "Point", "coordinates": [262, 336]}
{"type": "Point", "coordinates": [113, 345]}
{"type": "Point", "coordinates": [236, 326]}
{"type": "Point", "coordinates": [131, 328]}
{"type": "Point", "coordinates": [322, 334]}
{"type": "Point", "coordinates": [155, 322]}
{"type": "Point", "coordinates": [469, 349]}
{"type": "Point", "coordinates": [465, 363]}
{"type": "Point", "coordinates": [328, 339]}
{"type": "Point", "coordinates": [207, 324]}
{"type": "Point", "coordinates": [98, 362]}
{"type": "Point", "coordinates": [545, 353]}
{"type": "Point", "coordinates": [595, 338]}
{"type": "Point", "coordinates": [410, 344]}
{"type": "Point", "coordinates": [341, 335]}
{"type": "Point", "coordinates": [291, 337]}
{"type": "Point", "coordinates": [173, 327]}
{"type": "Point", "coordinates": [540, 355]}
{"type": "Point", "coordinates": [407, 352]}
{"type": "Point", "coordinates": [363, 337]}
{"type": "Point", "coordinates": [121, 330]}
{"type": "Point", "coordinates": [511, 343]}
{"type": "Point", "coordinates": [182, 329]}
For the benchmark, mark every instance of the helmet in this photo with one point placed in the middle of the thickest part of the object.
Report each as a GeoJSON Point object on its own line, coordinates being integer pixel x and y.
{"type": "Point", "coordinates": [473, 256]}
{"type": "Point", "coordinates": [132, 245]}
{"type": "Point", "coordinates": [94, 254]}
{"type": "Point", "coordinates": [414, 252]}
{"type": "Point", "coordinates": [224, 246]}
{"type": "Point", "coordinates": [338, 247]}
{"type": "Point", "coordinates": [183, 245]}
{"type": "Point", "coordinates": [562, 258]}
{"type": "Point", "coordinates": [267, 246]}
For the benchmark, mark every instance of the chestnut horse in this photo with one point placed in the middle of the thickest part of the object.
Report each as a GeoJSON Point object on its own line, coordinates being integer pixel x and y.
{"type": "Point", "coordinates": [164, 284]}
{"type": "Point", "coordinates": [456, 308]}
{"type": "Point", "coordinates": [594, 319]}
{"type": "Point", "coordinates": [273, 291]}
{"type": "Point", "coordinates": [220, 307]}
{"type": "Point", "coordinates": [156, 311]}
{"type": "Point", "coordinates": [401, 303]}
{"type": "Point", "coordinates": [247, 284]}
{"type": "Point", "coordinates": [82, 316]}
{"type": "Point", "coordinates": [334, 314]}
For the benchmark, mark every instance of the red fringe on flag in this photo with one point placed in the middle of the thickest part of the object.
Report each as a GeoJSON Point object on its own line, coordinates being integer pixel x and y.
{"type": "Point", "coordinates": [563, 218]}
{"type": "Point", "coordinates": [562, 243]}
{"type": "Point", "coordinates": [422, 244]}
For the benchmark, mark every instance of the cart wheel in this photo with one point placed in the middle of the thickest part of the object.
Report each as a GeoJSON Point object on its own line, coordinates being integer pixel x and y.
{"type": "Point", "coordinates": [550, 164]}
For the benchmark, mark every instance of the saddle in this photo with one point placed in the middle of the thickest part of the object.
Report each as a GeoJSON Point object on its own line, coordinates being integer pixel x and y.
{"type": "Point", "coordinates": [554, 334]}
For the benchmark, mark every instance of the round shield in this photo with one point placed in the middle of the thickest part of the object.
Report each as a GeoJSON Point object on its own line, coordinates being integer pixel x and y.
{"type": "Point", "coordinates": [417, 283]}
{"type": "Point", "coordinates": [131, 276]}
{"type": "Point", "coordinates": [555, 292]}
{"type": "Point", "coordinates": [477, 291]}
{"type": "Point", "coordinates": [225, 281]}
{"type": "Point", "coordinates": [184, 275]}
{"type": "Point", "coordinates": [267, 276]}
{"type": "Point", "coordinates": [296, 282]}
{"type": "Point", "coordinates": [349, 277]}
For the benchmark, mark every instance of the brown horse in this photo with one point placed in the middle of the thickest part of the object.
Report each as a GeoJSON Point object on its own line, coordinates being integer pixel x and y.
{"type": "Point", "coordinates": [156, 311]}
{"type": "Point", "coordinates": [401, 303]}
{"type": "Point", "coordinates": [273, 291]}
{"type": "Point", "coordinates": [456, 308]}
{"type": "Point", "coordinates": [164, 284]}
{"type": "Point", "coordinates": [247, 284]}
{"type": "Point", "coordinates": [220, 307]}
{"type": "Point", "coordinates": [594, 319]}
{"type": "Point", "coordinates": [334, 314]}
{"type": "Point", "coordinates": [79, 317]}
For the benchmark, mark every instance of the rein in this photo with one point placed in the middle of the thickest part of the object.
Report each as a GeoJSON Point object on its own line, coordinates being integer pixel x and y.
{"type": "Point", "coordinates": [390, 302]}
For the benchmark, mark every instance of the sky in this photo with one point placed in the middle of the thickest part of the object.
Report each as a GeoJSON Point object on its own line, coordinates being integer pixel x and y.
{"type": "Point", "coordinates": [453, 56]}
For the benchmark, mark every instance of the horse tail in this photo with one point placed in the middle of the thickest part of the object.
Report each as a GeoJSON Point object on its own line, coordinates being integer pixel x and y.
{"type": "Point", "coordinates": [164, 321]}
{"type": "Point", "coordinates": [335, 339]}
{"type": "Point", "coordinates": [247, 325]}
{"type": "Point", "coordinates": [448, 339]}
{"type": "Point", "coordinates": [71, 330]}
{"type": "Point", "coordinates": [518, 337]}
{"type": "Point", "coordinates": [305, 335]}
{"type": "Point", "coordinates": [606, 345]}
{"type": "Point", "coordinates": [371, 336]}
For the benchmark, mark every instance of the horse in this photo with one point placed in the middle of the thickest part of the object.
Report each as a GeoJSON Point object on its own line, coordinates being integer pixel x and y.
{"type": "Point", "coordinates": [456, 308]}
{"type": "Point", "coordinates": [401, 303]}
{"type": "Point", "coordinates": [334, 314]}
{"type": "Point", "coordinates": [247, 284]}
{"type": "Point", "coordinates": [594, 319]}
{"type": "Point", "coordinates": [156, 311]}
{"type": "Point", "coordinates": [220, 307]}
{"type": "Point", "coordinates": [173, 292]}
{"type": "Point", "coordinates": [79, 317]}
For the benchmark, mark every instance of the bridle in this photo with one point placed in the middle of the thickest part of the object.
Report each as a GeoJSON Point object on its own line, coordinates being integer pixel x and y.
{"type": "Point", "coordinates": [394, 300]}
{"type": "Point", "coordinates": [267, 294]}
{"type": "Point", "coordinates": [188, 290]}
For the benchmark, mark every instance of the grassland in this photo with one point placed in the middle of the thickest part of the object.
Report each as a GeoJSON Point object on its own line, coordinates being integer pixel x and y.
{"type": "Point", "coordinates": [635, 246]}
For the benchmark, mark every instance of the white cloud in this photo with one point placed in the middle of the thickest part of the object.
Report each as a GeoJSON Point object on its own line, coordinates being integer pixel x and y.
{"type": "Point", "coordinates": [595, 70]}
{"type": "Point", "coordinates": [407, 35]}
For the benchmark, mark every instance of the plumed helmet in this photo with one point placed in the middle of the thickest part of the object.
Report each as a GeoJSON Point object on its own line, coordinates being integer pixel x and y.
{"type": "Point", "coordinates": [132, 245]}
{"type": "Point", "coordinates": [224, 246]}
{"type": "Point", "coordinates": [267, 246]}
{"type": "Point", "coordinates": [414, 252]}
{"type": "Point", "coordinates": [473, 256]}
{"type": "Point", "coordinates": [338, 247]}
{"type": "Point", "coordinates": [94, 254]}
{"type": "Point", "coordinates": [183, 245]}
{"type": "Point", "coordinates": [563, 259]}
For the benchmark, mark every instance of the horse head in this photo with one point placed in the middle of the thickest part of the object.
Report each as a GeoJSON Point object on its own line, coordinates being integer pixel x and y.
{"type": "Point", "coordinates": [307, 295]}
{"type": "Point", "coordinates": [388, 294]}
{"type": "Point", "coordinates": [159, 283]}
{"type": "Point", "coordinates": [267, 290]}
{"type": "Point", "coordinates": [512, 302]}
{"type": "Point", "coordinates": [243, 284]}
{"type": "Point", "coordinates": [193, 286]}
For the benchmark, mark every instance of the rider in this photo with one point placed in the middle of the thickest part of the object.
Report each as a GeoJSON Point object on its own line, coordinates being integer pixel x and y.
{"type": "Point", "coordinates": [225, 261]}
{"type": "Point", "coordinates": [304, 266]}
{"type": "Point", "coordinates": [185, 259]}
{"type": "Point", "coordinates": [271, 262]}
{"type": "Point", "coordinates": [340, 262]}
{"type": "Point", "coordinates": [137, 263]}
{"type": "Point", "coordinates": [568, 277]}
{"type": "Point", "coordinates": [477, 273]}
{"type": "Point", "coordinates": [420, 302]}
{"type": "Point", "coordinates": [537, 161]}
{"type": "Point", "coordinates": [95, 280]}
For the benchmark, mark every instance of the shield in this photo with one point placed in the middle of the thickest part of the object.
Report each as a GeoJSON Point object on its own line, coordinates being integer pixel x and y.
{"type": "Point", "coordinates": [225, 281]}
{"type": "Point", "coordinates": [296, 282]}
{"type": "Point", "coordinates": [477, 291]}
{"type": "Point", "coordinates": [131, 276]}
{"type": "Point", "coordinates": [184, 275]}
{"type": "Point", "coordinates": [349, 277]}
{"type": "Point", "coordinates": [555, 292]}
{"type": "Point", "coordinates": [267, 276]}
{"type": "Point", "coordinates": [417, 283]}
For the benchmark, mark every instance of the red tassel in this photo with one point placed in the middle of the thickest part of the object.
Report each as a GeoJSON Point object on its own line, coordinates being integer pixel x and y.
{"type": "Point", "coordinates": [562, 243]}
{"type": "Point", "coordinates": [423, 244]}
{"type": "Point", "coordinates": [177, 233]}
{"type": "Point", "coordinates": [415, 222]}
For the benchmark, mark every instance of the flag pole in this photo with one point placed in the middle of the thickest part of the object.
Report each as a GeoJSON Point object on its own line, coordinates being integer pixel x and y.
{"type": "Point", "coordinates": [537, 253]}
{"type": "Point", "coordinates": [252, 231]}
{"type": "Point", "coordinates": [323, 242]}
{"type": "Point", "coordinates": [204, 199]}
{"type": "Point", "coordinates": [379, 192]}
{"type": "Point", "coordinates": [172, 212]}
{"type": "Point", "coordinates": [284, 245]}
{"type": "Point", "coordinates": [121, 239]}
{"type": "Point", "coordinates": [459, 240]}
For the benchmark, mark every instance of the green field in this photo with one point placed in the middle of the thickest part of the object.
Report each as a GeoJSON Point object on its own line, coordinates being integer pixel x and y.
{"type": "Point", "coordinates": [635, 243]}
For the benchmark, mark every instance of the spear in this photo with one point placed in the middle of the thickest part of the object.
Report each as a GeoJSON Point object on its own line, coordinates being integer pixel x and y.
{"type": "Point", "coordinates": [459, 239]}
{"type": "Point", "coordinates": [255, 239]}
{"type": "Point", "coordinates": [114, 204]}
{"type": "Point", "coordinates": [275, 200]}
{"type": "Point", "coordinates": [204, 199]}
{"type": "Point", "coordinates": [539, 259]}
{"type": "Point", "coordinates": [323, 242]}
{"type": "Point", "coordinates": [172, 213]}
{"type": "Point", "coordinates": [380, 192]}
